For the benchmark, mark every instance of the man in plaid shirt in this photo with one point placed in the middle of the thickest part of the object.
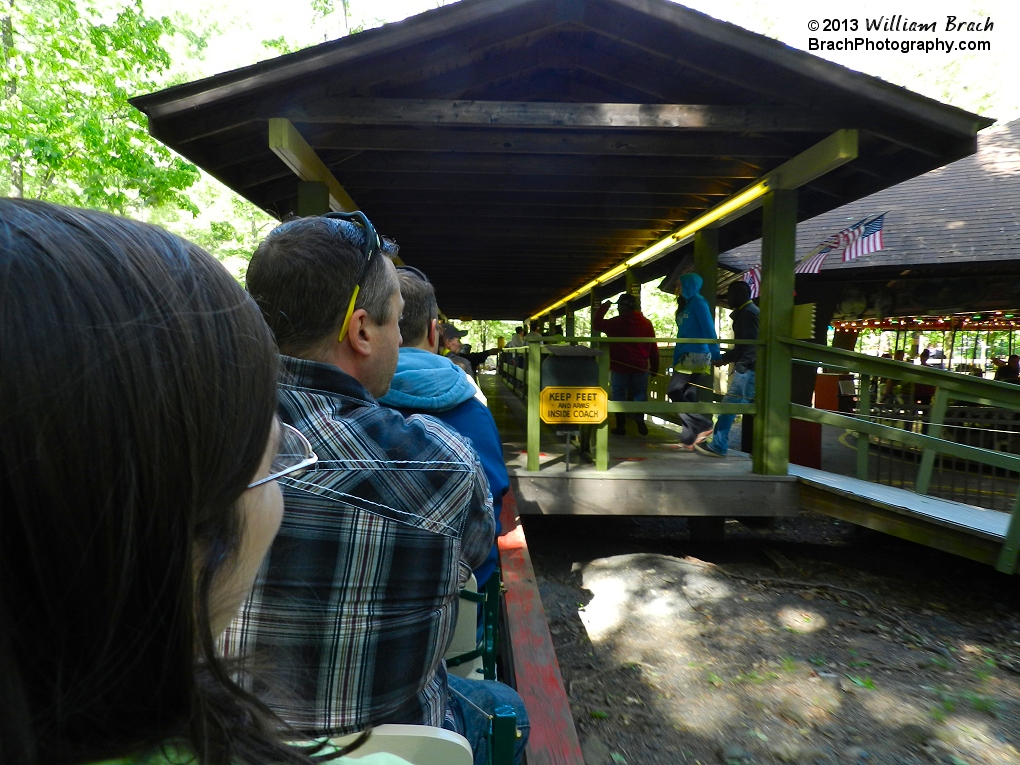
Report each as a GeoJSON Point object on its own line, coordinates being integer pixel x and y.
{"type": "Point", "coordinates": [356, 602]}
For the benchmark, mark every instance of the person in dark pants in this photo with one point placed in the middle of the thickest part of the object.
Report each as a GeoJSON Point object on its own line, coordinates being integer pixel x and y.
{"type": "Point", "coordinates": [629, 363]}
{"type": "Point", "coordinates": [741, 387]}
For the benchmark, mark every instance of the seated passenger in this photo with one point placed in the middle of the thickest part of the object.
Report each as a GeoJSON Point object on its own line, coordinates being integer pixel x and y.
{"type": "Point", "coordinates": [430, 384]}
{"type": "Point", "coordinates": [450, 346]}
{"type": "Point", "coordinates": [138, 458]}
{"type": "Point", "coordinates": [358, 599]}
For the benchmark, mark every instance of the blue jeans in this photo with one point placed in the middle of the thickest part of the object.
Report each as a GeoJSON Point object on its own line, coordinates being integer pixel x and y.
{"type": "Point", "coordinates": [467, 698]}
{"type": "Point", "coordinates": [740, 391]}
{"type": "Point", "coordinates": [629, 387]}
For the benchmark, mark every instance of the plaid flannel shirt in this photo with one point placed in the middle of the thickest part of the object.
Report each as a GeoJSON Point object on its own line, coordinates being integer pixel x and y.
{"type": "Point", "coordinates": [356, 601]}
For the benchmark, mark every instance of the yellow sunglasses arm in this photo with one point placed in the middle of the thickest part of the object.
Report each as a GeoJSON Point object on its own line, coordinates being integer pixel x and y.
{"type": "Point", "coordinates": [350, 312]}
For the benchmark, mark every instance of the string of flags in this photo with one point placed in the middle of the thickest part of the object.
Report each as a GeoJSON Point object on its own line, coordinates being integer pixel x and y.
{"type": "Point", "coordinates": [862, 238]}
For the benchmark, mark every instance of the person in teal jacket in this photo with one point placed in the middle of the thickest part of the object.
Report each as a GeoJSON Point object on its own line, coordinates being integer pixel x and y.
{"type": "Point", "coordinates": [427, 383]}
{"type": "Point", "coordinates": [692, 362]}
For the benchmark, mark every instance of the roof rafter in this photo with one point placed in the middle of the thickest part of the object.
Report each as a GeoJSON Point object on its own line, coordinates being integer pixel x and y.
{"type": "Point", "coordinates": [342, 110]}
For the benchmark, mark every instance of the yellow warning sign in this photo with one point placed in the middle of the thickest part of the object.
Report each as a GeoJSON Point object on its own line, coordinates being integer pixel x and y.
{"type": "Point", "coordinates": [574, 405]}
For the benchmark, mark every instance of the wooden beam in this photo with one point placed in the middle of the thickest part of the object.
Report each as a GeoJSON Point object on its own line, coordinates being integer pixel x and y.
{"type": "Point", "coordinates": [490, 219]}
{"type": "Point", "coordinates": [339, 110]}
{"type": "Point", "coordinates": [616, 185]}
{"type": "Point", "coordinates": [411, 162]}
{"type": "Point", "coordinates": [570, 142]}
{"type": "Point", "coordinates": [566, 207]}
{"type": "Point", "coordinates": [287, 143]}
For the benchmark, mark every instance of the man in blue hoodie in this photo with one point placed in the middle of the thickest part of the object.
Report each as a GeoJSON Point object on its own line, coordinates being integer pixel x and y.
{"type": "Point", "coordinates": [427, 383]}
{"type": "Point", "coordinates": [692, 362]}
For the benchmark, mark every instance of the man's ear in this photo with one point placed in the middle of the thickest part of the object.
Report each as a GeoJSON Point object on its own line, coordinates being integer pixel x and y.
{"type": "Point", "coordinates": [359, 333]}
{"type": "Point", "coordinates": [433, 334]}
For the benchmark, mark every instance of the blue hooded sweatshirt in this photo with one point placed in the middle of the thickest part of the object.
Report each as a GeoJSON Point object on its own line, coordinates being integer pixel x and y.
{"type": "Point", "coordinates": [695, 320]}
{"type": "Point", "coordinates": [426, 383]}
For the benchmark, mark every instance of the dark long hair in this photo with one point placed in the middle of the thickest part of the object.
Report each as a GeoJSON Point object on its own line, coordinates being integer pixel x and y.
{"type": "Point", "coordinates": [137, 389]}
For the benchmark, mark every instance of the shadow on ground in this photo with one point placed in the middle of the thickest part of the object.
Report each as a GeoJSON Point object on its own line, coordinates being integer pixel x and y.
{"type": "Point", "coordinates": [808, 642]}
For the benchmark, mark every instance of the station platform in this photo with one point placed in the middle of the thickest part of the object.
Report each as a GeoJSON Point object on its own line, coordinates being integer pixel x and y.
{"type": "Point", "coordinates": [648, 475]}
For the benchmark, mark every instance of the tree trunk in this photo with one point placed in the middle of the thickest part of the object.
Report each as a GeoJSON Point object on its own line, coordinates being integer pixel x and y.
{"type": "Point", "coordinates": [7, 42]}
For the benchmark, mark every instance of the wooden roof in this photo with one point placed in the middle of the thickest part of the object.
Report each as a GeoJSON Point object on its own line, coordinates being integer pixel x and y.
{"type": "Point", "coordinates": [516, 149]}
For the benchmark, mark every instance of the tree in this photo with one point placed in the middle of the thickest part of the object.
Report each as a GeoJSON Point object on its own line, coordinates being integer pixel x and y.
{"type": "Point", "coordinates": [67, 132]}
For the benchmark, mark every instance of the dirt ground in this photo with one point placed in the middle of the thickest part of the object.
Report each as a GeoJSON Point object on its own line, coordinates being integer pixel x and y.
{"type": "Point", "coordinates": [812, 641]}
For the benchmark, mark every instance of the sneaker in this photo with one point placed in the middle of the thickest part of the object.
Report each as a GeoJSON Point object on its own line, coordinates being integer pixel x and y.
{"type": "Point", "coordinates": [708, 451]}
{"type": "Point", "coordinates": [642, 428]}
{"type": "Point", "coordinates": [703, 435]}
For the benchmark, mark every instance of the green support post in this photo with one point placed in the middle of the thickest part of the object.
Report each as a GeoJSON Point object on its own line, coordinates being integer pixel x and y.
{"type": "Point", "coordinates": [863, 439]}
{"type": "Point", "coordinates": [569, 324]}
{"type": "Point", "coordinates": [602, 430]}
{"type": "Point", "coordinates": [778, 248]}
{"type": "Point", "coordinates": [1011, 546]}
{"type": "Point", "coordinates": [504, 735]}
{"type": "Point", "coordinates": [534, 383]}
{"type": "Point", "coordinates": [706, 263]}
{"type": "Point", "coordinates": [939, 403]}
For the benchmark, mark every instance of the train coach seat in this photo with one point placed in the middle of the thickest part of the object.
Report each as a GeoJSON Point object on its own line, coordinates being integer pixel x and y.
{"type": "Point", "coordinates": [418, 744]}
{"type": "Point", "coordinates": [464, 657]}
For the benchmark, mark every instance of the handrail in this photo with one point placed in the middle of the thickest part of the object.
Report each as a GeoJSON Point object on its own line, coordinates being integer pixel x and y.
{"type": "Point", "coordinates": [952, 448]}
{"type": "Point", "coordinates": [561, 339]}
{"type": "Point", "coordinates": [965, 387]}
{"type": "Point", "coordinates": [945, 384]}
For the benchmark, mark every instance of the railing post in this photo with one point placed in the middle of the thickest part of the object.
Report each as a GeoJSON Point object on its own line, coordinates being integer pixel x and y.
{"type": "Point", "coordinates": [771, 454]}
{"type": "Point", "coordinates": [938, 415]}
{"type": "Point", "coordinates": [863, 439]}
{"type": "Point", "coordinates": [602, 430]}
{"type": "Point", "coordinates": [534, 390]}
{"type": "Point", "coordinates": [1011, 546]}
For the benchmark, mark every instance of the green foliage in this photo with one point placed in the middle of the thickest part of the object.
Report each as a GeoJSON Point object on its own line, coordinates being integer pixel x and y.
{"type": "Point", "coordinates": [861, 682]}
{"type": "Point", "coordinates": [67, 132]}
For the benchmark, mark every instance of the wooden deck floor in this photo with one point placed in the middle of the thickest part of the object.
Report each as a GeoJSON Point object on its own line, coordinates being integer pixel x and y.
{"type": "Point", "coordinates": [652, 475]}
{"type": "Point", "coordinates": [648, 475]}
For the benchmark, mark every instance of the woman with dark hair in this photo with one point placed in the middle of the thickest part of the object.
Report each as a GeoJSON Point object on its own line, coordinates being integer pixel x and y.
{"type": "Point", "coordinates": [138, 458]}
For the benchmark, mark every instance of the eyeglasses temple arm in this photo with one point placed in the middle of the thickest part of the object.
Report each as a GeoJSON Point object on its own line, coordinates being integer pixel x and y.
{"type": "Point", "coordinates": [350, 312]}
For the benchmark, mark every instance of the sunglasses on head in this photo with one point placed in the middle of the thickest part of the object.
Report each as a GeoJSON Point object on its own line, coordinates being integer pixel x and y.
{"type": "Point", "coordinates": [371, 246]}
{"type": "Point", "coordinates": [412, 271]}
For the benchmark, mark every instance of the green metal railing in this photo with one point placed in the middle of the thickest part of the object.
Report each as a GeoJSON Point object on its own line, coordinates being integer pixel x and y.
{"type": "Point", "coordinates": [948, 385]}
{"type": "Point", "coordinates": [517, 375]}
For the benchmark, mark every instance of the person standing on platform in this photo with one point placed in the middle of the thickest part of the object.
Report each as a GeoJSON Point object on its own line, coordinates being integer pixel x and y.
{"type": "Point", "coordinates": [629, 363]}
{"type": "Point", "coordinates": [741, 388]}
{"type": "Point", "coordinates": [692, 362]}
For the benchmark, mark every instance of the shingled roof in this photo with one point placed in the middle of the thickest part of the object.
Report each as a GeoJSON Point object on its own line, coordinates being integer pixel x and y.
{"type": "Point", "coordinates": [967, 212]}
{"type": "Point", "coordinates": [517, 149]}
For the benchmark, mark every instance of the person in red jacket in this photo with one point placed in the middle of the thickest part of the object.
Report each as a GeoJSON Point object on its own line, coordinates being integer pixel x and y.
{"type": "Point", "coordinates": [629, 363]}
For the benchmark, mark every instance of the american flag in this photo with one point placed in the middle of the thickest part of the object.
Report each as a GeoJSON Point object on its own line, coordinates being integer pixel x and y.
{"type": "Point", "coordinates": [859, 239]}
{"type": "Point", "coordinates": [753, 277]}
{"type": "Point", "coordinates": [812, 264]}
{"type": "Point", "coordinates": [869, 239]}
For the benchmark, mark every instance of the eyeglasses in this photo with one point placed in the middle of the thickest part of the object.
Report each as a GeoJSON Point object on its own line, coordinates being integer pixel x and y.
{"type": "Point", "coordinates": [294, 454]}
{"type": "Point", "coordinates": [413, 272]}
{"type": "Point", "coordinates": [371, 245]}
